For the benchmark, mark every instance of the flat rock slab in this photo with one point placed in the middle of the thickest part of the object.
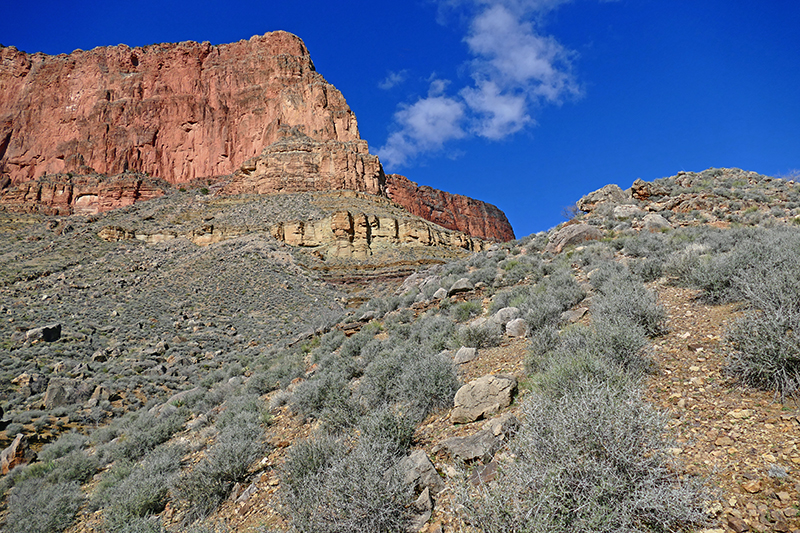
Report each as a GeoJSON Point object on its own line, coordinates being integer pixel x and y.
{"type": "Point", "coordinates": [479, 446]}
{"type": "Point", "coordinates": [465, 355]}
{"type": "Point", "coordinates": [482, 398]}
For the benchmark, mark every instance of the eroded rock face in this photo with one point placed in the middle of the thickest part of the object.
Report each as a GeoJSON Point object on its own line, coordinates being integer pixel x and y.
{"type": "Point", "coordinates": [253, 117]}
{"type": "Point", "coordinates": [63, 194]}
{"type": "Point", "coordinates": [298, 163]}
{"type": "Point", "coordinates": [452, 211]}
{"type": "Point", "coordinates": [177, 111]}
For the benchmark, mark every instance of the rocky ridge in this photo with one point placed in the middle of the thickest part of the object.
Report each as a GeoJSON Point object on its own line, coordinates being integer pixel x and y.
{"type": "Point", "coordinates": [744, 441]}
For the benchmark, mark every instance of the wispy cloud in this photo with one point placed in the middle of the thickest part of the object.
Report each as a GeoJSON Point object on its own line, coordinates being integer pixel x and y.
{"type": "Point", "coordinates": [424, 126]}
{"type": "Point", "coordinates": [514, 69]}
{"type": "Point", "coordinates": [393, 79]}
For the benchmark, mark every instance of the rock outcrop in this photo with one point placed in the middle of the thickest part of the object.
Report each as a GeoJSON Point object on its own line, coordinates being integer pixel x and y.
{"type": "Point", "coordinates": [342, 235]}
{"type": "Point", "coordinates": [452, 211]}
{"type": "Point", "coordinates": [63, 194]}
{"type": "Point", "coordinates": [177, 111]}
{"type": "Point", "coordinates": [299, 163]}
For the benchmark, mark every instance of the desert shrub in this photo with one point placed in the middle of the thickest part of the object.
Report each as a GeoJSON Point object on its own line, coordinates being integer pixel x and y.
{"type": "Point", "coordinates": [593, 458]}
{"type": "Point", "coordinates": [485, 275]}
{"type": "Point", "coordinates": [331, 488]}
{"type": "Point", "coordinates": [766, 339]}
{"type": "Point", "coordinates": [649, 269]}
{"type": "Point", "coordinates": [36, 506]}
{"type": "Point", "coordinates": [387, 425]}
{"type": "Point", "coordinates": [429, 382]}
{"type": "Point", "coordinates": [542, 342]}
{"type": "Point", "coordinates": [465, 310]}
{"type": "Point", "coordinates": [238, 444]}
{"type": "Point", "coordinates": [138, 490]}
{"type": "Point", "coordinates": [65, 444]}
{"type": "Point", "coordinates": [325, 389]}
{"type": "Point", "coordinates": [351, 348]}
{"type": "Point", "coordinates": [77, 465]}
{"type": "Point", "coordinates": [143, 431]}
{"type": "Point", "coordinates": [477, 336]}
{"type": "Point", "coordinates": [622, 296]}
{"type": "Point", "coordinates": [421, 381]}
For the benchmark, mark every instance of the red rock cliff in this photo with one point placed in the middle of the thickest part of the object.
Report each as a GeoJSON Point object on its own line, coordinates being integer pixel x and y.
{"type": "Point", "coordinates": [176, 111]}
{"type": "Point", "coordinates": [452, 211]}
{"type": "Point", "coordinates": [254, 113]}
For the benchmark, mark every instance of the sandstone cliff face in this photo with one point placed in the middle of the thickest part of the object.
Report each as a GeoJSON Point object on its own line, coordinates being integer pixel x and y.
{"type": "Point", "coordinates": [342, 235]}
{"type": "Point", "coordinates": [298, 163]}
{"type": "Point", "coordinates": [451, 211]}
{"type": "Point", "coordinates": [81, 195]}
{"type": "Point", "coordinates": [176, 111]}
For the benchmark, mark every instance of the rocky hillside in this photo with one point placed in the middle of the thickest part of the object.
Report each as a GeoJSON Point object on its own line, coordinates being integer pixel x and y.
{"type": "Point", "coordinates": [254, 115]}
{"type": "Point", "coordinates": [175, 365]}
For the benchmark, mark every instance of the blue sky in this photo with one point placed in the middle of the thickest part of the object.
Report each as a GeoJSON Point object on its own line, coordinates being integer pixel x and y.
{"type": "Point", "coordinates": [526, 104]}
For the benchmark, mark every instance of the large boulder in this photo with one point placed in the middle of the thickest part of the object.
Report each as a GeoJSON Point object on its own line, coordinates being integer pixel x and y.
{"type": "Point", "coordinates": [572, 235]}
{"type": "Point", "coordinates": [517, 328]}
{"type": "Point", "coordinates": [49, 333]}
{"type": "Point", "coordinates": [482, 397]}
{"type": "Point", "coordinates": [610, 193]}
{"type": "Point", "coordinates": [505, 315]}
{"type": "Point", "coordinates": [17, 453]}
{"type": "Point", "coordinates": [462, 285]}
{"type": "Point", "coordinates": [655, 222]}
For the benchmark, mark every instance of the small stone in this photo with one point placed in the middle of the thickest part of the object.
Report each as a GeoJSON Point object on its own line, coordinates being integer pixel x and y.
{"type": "Point", "coordinates": [440, 293]}
{"type": "Point", "coordinates": [737, 524]}
{"type": "Point", "coordinates": [781, 526]}
{"type": "Point", "coordinates": [753, 487]}
{"type": "Point", "coordinates": [784, 497]}
{"type": "Point", "coordinates": [723, 441]}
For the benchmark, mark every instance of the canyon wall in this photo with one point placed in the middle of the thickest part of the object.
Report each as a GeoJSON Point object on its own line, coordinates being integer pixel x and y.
{"type": "Point", "coordinates": [452, 211]}
{"type": "Point", "coordinates": [253, 117]}
{"type": "Point", "coordinates": [177, 111]}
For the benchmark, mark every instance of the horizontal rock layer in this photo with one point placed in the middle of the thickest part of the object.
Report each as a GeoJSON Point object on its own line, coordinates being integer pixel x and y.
{"type": "Point", "coordinates": [452, 211]}
{"type": "Point", "coordinates": [63, 194]}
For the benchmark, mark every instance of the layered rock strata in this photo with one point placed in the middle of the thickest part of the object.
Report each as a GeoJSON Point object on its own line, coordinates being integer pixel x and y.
{"type": "Point", "coordinates": [342, 235]}
{"type": "Point", "coordinates": [452, 211]}
{"type": "Point", "coordinates": [64, 194]}
{"type": "Point", "coordinates": [254, 115]}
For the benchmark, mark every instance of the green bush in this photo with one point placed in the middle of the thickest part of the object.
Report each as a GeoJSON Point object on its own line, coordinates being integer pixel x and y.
{"type": "Point", "coordinates": [227, 462]}
{"type": "Point", "coordinates": [36, 506]}
{"type": "Point", "coordinates": [463, 311]}
{"type": "Point", "coordinates": [590, 459]}
{"type": "Point", "coordinates": [330, 488]}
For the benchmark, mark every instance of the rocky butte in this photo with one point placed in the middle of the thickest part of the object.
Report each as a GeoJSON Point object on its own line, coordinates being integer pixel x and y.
{"type": "Point", "coordinates": [94, 130]}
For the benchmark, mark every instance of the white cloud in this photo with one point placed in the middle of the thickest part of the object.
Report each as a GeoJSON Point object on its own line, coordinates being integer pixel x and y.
{"type": "Point", "coordinates": [393, 79]}
{"type": "Point", "coordinates": [515, 68]}
{"type": "Point", "coordinates": [497, 114]}
{"type": "Point", "coordinates": [423, 127]}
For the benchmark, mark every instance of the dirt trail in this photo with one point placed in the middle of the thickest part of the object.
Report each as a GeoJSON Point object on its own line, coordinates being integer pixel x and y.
{"type": "Point", "coordinates": [744, 441]}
